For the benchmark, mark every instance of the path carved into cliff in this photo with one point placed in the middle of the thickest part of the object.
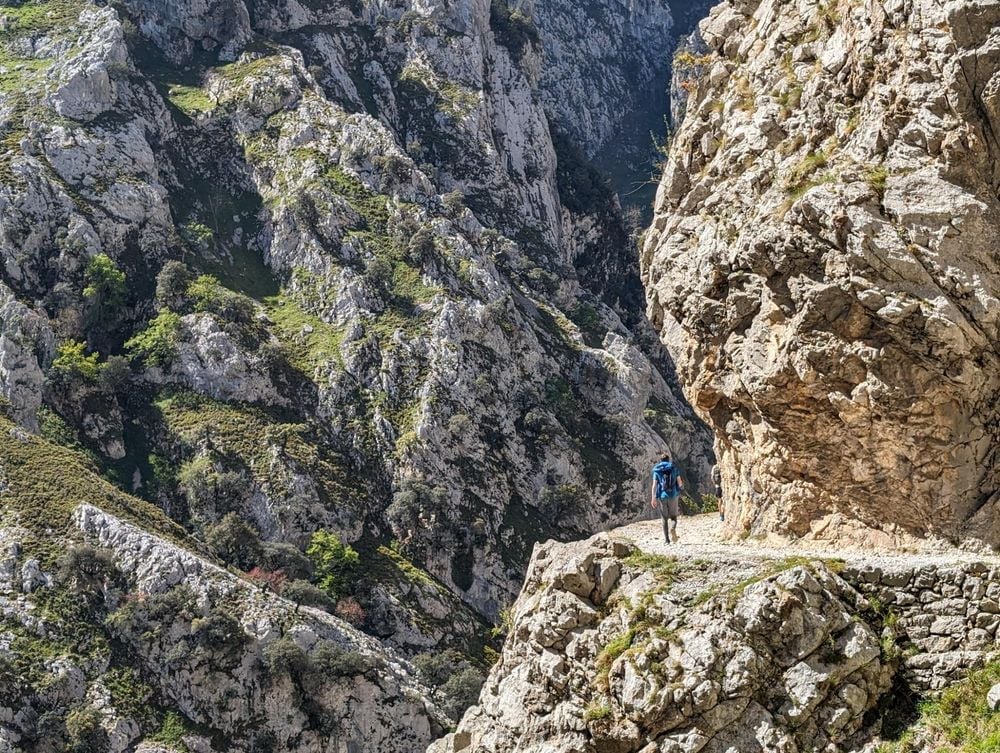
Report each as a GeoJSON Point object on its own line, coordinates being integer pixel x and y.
{"type": "Point", "coordinates": [705, 536]}
{"type": "Point", "coordinates": [624, 643]}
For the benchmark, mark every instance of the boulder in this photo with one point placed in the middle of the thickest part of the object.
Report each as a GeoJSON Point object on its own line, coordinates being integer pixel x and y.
{"type": "Point", "coordinates": [993, 698]}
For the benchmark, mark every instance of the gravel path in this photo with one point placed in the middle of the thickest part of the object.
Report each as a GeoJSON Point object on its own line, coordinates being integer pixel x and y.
{"type": "Point", "coordinates": [702, 537]}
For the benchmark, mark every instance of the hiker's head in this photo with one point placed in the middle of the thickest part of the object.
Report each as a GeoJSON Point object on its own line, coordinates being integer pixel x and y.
{"type": "Point", "coordinates": [665, 457]}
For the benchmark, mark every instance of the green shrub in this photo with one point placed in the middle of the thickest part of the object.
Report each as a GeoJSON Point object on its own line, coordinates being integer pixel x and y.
{"type": "Point", "coordinates": [461, 691]}
{"type": "Point", "coordinates": [115, 373]}
{"type": "Point", "coordinates": [208, 295]}
{"type": "Point", "coordinates": [704, 503]}
{"type": "Point", "coordinates": [876, 177]}
{"type": "Point", "coordinates": [85, 569]}
{"type": "Point", "coordinates": [155, 611]}
{"type": "Point", "coordinates": [128, 692]}
{"type": "Point", "coordinates": [421, 246]}
{"type": "Point", "coordinates": [172, 284]}
{"type": "Point", "coordinates": [72, 363]}
{"type": "Point", "coordinates": [798, 179]}
{"type": "Point", "coordinates": [560, 500]}
{"type": "Point", "coordinates": [587, 318]}
{"type": "Point", "coordinates": [597, 712]}
{"type": "Point", "coordinates": [663, 567]}
{"type": "Point", "coordinates": [454, 202]}
{"type": "Point", "coordinates": [435, 667]}
{"type": "Point", "coordinates": [235, 542]}
{"type": "Point", "coordinates": [218, 632]}
{"type": "Point", "coordinates": [409, 502]}
{"type": "Point", "coordinates": [686, 60]}
{"type": "Point", "coordinates": [104, 289]}
{"type": "Point", "coordinates": [196, 233]}
{"type": "Point", "coordinates": [171, 732]}
{"type": "Point", "coordinates": [959, 721]}
{"type": "Point", "coordinates": [83, 727]}
{"type": "Point", "coordinates": [491, 656]}
{"type": "Point", "coordinates": [453, 676]}
{"type": "Point", "coordinates": [284, 656]}
{"type": "Point", "coordinates": [164, 472]}
{"type": "Point", "coordinates": [210, 492]}
{"type": "Point", "coordinates": [332, 660]}
{"type": "Point", "coordinates": [288, 559]}
{"type": "Point", "coordinates": [335, 563]}
{"type": "Point", "coordinates": [157, 344]}
{"type": "Point", "coordinates": [307, 594]}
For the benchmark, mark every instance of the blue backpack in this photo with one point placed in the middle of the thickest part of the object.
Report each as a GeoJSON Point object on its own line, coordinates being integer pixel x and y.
{"type": "Point", "coordinates": [666, 480]}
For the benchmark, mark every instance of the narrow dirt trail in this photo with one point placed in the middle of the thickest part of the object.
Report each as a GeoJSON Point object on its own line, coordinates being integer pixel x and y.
{"type": "Point", "coordinates": [703, 537]}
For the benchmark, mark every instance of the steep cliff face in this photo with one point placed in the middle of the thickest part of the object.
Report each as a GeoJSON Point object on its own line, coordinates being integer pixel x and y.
{"type": "Point", "coordinates": [354, 286]}
{"type": "Point", "coordinates": [603, 656]}
{"type": "Point", "coordinates": [599, 58]}
{"type": "Point", "coordinates": [118, 634]}
{"type": "Point", "coordinates": [615, 649]}
{"type": "Point", "coordinates": [823, 265]}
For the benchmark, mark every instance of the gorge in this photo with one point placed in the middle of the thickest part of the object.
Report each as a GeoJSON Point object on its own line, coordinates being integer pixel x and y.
{"type": "Point", "coordinates": [332, 332]}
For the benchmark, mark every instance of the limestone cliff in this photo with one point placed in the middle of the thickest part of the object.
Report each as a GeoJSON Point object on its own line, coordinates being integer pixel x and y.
{"type": "Point", "coordinates": [823, 265]}
{"type": "Point", "coordinates": [119, 633]}
{"type": "Point", "coordinates": [318, 265]}
{"type": "Point", "coordinates": [615, 649]}
{"type": "Point", "coordinates": [599, 59]}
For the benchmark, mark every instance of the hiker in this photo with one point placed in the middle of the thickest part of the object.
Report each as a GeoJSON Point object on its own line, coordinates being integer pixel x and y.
{"type": "Point", "coordinates": [717, 483]}
{"type": "Point", "coordinates": [666, 493]}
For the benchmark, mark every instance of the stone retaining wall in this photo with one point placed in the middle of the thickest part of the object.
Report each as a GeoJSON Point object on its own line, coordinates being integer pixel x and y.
{"type": "Point", "coordinates": [945, 616]}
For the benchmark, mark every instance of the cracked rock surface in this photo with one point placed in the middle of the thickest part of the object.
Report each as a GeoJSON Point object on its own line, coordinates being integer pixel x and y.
{"type": "Point", "coordinates": [702, 647]}
{"type": "Point", "coordinates": [822, 265]}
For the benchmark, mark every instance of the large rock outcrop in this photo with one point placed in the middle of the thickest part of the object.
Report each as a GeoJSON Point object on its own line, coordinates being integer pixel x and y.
{"type": "Point", "coordinates": [823, 265]}
{"type": "Point", "coordinates": [118, 630]}
{"type": "Point", "coordinates": [614, 649]}
{"type": "Point", "coordinates": [216, 654]}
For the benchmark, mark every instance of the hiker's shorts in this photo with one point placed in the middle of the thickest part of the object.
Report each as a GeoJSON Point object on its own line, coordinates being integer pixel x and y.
{"type": "Point", "coordinates": [670, 507]}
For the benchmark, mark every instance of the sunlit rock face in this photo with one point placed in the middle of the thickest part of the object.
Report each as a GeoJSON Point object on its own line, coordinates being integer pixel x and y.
{"type": "Point", "coordinates": [823, 265]}
{"type": "Point", "coordinates": [406, 314]}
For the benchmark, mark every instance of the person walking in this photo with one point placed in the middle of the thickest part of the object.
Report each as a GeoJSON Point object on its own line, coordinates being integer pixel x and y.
{"type": "Point", "coordinates": [666, 495]}
{"type": "Point", "coordinates": [717, 483]}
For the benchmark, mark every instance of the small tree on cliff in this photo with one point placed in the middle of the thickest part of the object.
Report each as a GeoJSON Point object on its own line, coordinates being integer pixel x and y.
{"type": "Point", "coordinates": [335, 563]}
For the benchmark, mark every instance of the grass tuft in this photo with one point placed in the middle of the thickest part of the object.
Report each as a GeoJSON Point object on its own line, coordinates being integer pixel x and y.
{"type": "Point", "coordinates": [960, 721]}
{"type": "Point", "coordinates": [663, 568]}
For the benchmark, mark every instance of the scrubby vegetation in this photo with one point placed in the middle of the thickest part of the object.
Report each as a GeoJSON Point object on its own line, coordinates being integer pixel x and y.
{"type": "Point", "coordinates": [960, 721]}
{"type": "Point", "coordinates": [664, 569]}
{"type": "Point", "coordinates": [157, 344]}
{"type": "Point", "coordinates": [514, 30]}
{"type": "Point", "coordinates": [797, 181]}
{"type": "Point", "coordinates": [73, 363]}
{"type": "Point", "coordinates": [44, 484]}
{"type": "Point", "coordinates": [457, 681]}
{"type": "Point", "coordinates": [335, 563]}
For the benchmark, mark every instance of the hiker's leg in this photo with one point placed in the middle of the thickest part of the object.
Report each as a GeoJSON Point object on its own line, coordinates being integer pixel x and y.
{"type": "Point", "coordinates": [672, 509]}
{"type": "Point", "coordinates": [665, 515]}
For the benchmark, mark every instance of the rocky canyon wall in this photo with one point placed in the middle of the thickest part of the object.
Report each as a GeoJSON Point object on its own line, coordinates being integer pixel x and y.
{"type": "Point", "coordinates": [823, 265]}
{"type": "Point", "coordinates": [387, 309]}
